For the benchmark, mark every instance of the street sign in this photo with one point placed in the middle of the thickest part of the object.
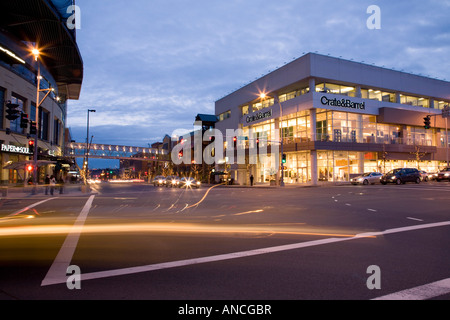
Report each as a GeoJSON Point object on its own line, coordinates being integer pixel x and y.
{"type": "Point", "coordinates": [446, 112]}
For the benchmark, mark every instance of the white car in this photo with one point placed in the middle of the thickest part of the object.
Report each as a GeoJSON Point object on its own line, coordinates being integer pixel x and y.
{"type": "Point", "coordinates": [367, 178]}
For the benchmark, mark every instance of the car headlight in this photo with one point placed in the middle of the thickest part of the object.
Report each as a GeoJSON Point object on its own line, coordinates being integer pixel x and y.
{"type": "Point", "coordinates": [198, 182]}
{"type": "Point", "coordinates": [393, 177]}
{"type": "Point", "coordinates": [360, 179]}
{"type": "Point", "coordinates": [447, 174]}
{"type": "Point", "coordinates": [160, 181]}
{"type": "Point", "coordinates": [188, 183]}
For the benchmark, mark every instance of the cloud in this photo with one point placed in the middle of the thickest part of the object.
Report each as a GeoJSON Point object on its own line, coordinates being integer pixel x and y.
{"type": "Point", "coordinates": [151, 66]}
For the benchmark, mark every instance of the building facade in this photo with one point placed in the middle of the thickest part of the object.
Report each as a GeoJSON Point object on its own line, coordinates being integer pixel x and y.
{"type": "Point", "coordinates": [337, 119]}
{"type": "Point", "coordinates": [24, 26]}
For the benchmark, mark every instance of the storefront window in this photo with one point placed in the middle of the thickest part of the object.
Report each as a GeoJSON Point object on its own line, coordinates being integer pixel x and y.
{"type": "Point", "coordinates": [323, 126]}
{"type": "Point", "coordinates": [293, 94]}
{"type": "Point", "coordinates": [415, 101]}
{"type": "Point", "coordinates": [336, 89]}
{"type": "Point", "coordinates": [378, 95]}
{"type": "Point", "coordinates": [369, 127]}
{"type": "Point", "coordinates": [297, 168]}
{"type": "Point", "coordinates": [419, 136]}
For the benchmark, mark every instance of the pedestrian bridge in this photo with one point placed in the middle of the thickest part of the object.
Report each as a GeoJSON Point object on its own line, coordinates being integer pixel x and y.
{"type": "Point", "coordinates": [108, 151]}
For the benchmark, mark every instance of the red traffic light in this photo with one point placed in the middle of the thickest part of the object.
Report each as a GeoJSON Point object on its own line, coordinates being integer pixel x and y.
{"type": "Point", "coordinates": [31, 143]}
{"type": "Point", "coordinates": [29, 168]}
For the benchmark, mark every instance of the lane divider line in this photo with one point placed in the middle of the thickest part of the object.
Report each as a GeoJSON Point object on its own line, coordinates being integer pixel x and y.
{"type": "Point", "coordinates": [58, 270]}
{"type": "Point", "coordinates": [425, 292]}
{"type": "Point", "coordinates": [31, 207]}
{"type": "Point", "coordinates": [243, 254]}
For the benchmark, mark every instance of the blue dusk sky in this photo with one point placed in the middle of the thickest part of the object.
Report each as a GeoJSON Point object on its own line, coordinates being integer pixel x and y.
{"type": "Point", "coordinates": [151, 65]}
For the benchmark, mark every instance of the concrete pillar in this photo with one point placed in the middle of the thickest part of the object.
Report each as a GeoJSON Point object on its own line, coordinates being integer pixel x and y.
{"type": "Point", "coordinates": [314, 173]}
{"type": "Point", "coordinates": [312, 85]}
{"type": "Point", "coordinates": [358, 92]}
{"type": "Point", "coordinates": [313, 123]}
{"type": "Point", "coordinates": [361, 162]}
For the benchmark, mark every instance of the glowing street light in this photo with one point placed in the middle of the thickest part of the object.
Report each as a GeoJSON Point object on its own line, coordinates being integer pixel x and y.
{"type": "Point", "coordinates": [35, 52]}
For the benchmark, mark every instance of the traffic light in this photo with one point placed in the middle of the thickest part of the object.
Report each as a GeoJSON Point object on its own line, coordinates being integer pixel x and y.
{"type": "Point", "coordinates": [24, 120]}
{"type": "Point", "coordinates": [33, 128]}
{"type": "Point", "coordinates": [31, 146]}
{"type": "Point", "coordinates": [235, 142]}
{"type": "Point", "coordinates": [11, 110]}
{"type": "Point", "coordinates": [284, 159]}
{"type": "Point", "coordinates": [29, 168]}
{"type": "Point", "coordinates": [427, 122]}
{"type": "Point", "coordinates": [180, 154]}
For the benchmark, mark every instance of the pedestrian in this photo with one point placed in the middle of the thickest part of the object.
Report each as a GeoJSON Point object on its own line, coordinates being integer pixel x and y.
{"type": "Point", "coordinates": [61, 185]}
{"type": "Point", "coordinates": [251, 180]}
{"type": "Point", "coordinates": [52, 184]}
{"type": "Point", "coordinates": [47, 183]}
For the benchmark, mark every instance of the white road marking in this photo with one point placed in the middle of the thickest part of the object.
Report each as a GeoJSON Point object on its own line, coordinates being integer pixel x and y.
{"type": "Point", "coordinates": [428, 291]}
{"type": "Point", "coordinates": [415, 219]}
{"type": "Point", "coordinates": [58, 270]}
{"type": "Point", "coordinates": [242, 254]}
{"type": "Point", "coordinates": [373, 210]}
{"type": "Point", "coordinates": [31, 207]}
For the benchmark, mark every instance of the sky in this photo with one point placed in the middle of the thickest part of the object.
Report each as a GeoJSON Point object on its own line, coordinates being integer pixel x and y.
{"type": "Point", "coordinates": [150, 66]}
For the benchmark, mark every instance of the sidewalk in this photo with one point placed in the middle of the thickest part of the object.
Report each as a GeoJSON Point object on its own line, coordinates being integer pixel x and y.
{"type": "Point", "coordinates": [288, 185]}
{"type": "Point", "coordinates": [27, 192]}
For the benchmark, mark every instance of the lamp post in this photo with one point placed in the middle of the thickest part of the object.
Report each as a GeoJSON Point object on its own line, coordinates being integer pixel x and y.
{"type": "Point", "coordinates": [88, 146]}
{"type": "Point", "coordinates": [36, 53]}
{"type": "Point", "coordinates": [263, 96]}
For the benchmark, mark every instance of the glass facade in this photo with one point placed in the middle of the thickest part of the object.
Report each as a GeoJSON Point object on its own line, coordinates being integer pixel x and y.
{"type": "Point", "coordinates": [345, 127]}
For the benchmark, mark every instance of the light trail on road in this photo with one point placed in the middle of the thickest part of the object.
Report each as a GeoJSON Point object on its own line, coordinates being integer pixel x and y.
{"type": "Point", "coordinates": [155, 227]}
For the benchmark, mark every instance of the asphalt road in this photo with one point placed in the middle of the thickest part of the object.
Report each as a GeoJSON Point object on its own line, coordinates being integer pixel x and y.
{"type": "Point", "coordinates": [139, 242]}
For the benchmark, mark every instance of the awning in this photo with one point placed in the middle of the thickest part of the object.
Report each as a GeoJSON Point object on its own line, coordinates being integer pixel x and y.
{"type": "Point", "coordinates": [44, 22]}
{"type": "Point", "coordinates": [22, 164]}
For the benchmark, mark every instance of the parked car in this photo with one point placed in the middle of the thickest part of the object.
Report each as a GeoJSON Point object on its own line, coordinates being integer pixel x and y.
{"type": "Point", "coordinates": [432, 176]}
{"type": "Point", "coordinates": [172, 182]}
{"type": "Point", "coordinates": [159, 181]}
{"type": "Point", "coordinates": [189, 183]}
{"type": "Point", "coordinates": [424, 176]}
{"type": "Point", "coordinates": [367, 178]}
{"type": "Point", "coordinates": [401, 176]}
{"type": "Point", "coordinates": [443, 175]}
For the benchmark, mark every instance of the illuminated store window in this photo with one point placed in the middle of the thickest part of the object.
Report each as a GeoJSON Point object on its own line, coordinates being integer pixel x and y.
{"type": "Point", "coordinates": [378, 95]}
{"type": "Point", "coordinates": [336, 89]}
{"type": "Point", "coordinates": [244, 110]}
{"type": "Point", "coordinates": [225, 115]}
{"type": "Point", "coordinates": [293, 94]}
{"type": "Point", "coordinates": [442, 104]}
{"type": "Point", "coordinates": [266, 103]}
{"type": "Point", "coordinates": [415, 101]}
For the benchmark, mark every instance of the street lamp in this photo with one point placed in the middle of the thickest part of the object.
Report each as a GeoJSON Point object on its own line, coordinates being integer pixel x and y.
{"type": "Point", "coordinates": [263, 96]}
{"type": "Point", "coordinates": [36, 53]}
{"type": "Point", "coordinates": [88, 146]}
